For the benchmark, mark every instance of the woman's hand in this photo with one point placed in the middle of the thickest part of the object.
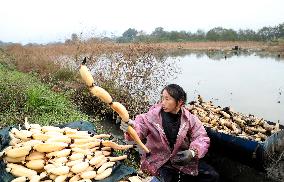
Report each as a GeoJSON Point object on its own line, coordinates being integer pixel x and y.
{"type": "Point", "coordinates": [184, 157]}
{"type": "Point", "coordinates": [124, 125]}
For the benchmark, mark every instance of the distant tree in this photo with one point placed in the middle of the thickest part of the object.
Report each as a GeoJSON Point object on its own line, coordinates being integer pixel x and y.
{"type": "Point", "coordinates": [247, 35]}
{"type": "Point", "coordinates": [159, 35]}
{"type": "Point", "coordinates": [74, 37]}
{"type": "Point", "coordinates": [230, 34]}
{"type": "Point", "coordinates": [130, 34]}
{"type": "Point", "coordinates": [173, 35]}
{"type": "Point", "coordinates": [199, 35]}
{"type": "Point", "coordinates": [141, 33]}
{"type": "Point", "coordinates": [280, 31]}
{"type": "Point", "coordinates": [158, 32]}
{"type": "Point", "coordinates": [176, 36]}
{"type": "Point", "coordinates": [183, 35]}
{"type": "Point", "coordinates": [220, 33]}
{"type": "Point", "coordinates": [215, 34]}
{"type": "Point", "coordinates": [142, 36]}
{"type": "Point", "coordinates": [267, 33]}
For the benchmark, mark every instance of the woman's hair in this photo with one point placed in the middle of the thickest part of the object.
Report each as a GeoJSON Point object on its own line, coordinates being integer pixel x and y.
{"type": "Point", "coordinates": [176, 92]}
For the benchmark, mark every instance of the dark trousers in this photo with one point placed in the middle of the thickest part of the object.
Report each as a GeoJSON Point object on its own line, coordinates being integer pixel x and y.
{"type": "Point", "coordinates": [206, 173]}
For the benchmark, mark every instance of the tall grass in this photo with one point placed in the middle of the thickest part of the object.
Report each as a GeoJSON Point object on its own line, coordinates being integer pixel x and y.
{"type": "Point", "coordinates": [23, 95]}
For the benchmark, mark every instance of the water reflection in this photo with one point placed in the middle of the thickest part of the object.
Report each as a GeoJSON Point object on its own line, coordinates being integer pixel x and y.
{"type": "Point", "coordinates": [249, 82]}
{"type": "Point", "coordinates": [220, 55]}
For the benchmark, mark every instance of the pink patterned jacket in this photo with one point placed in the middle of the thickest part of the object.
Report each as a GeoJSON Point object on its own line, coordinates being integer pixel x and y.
{"type": "Point", "coordinates": [191, 135]}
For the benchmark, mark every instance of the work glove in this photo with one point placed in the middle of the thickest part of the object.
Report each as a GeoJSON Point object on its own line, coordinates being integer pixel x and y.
{"type": "Point", "coordinates": [183, 157]}
{"type": "Point", "coordinates": [124, 125]}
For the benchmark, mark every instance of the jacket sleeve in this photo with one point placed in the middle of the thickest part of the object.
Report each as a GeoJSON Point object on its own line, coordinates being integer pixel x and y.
{"type": "Point", "coordinates": [139, 125]}
{"type": "Point", "coordinates": [199, 140]}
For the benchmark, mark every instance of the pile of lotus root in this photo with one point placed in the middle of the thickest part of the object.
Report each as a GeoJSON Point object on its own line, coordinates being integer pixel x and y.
{"type": "Point", "coordinates": [49, 153]}
{"type": "Point", "coordinates": [227, 121]}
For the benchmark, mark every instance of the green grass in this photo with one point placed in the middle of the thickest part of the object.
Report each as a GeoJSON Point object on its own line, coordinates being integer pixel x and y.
{"type": "Point", "coordinates": [23, 95]}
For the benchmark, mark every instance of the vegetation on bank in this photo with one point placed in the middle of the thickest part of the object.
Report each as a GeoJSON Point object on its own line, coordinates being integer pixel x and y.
{"type": "Point", "coordinates": [23, 95]}
{"type": "Point", "coordinates": [118, 69]}
{"type": "Point", "coordinates": [42, 82]}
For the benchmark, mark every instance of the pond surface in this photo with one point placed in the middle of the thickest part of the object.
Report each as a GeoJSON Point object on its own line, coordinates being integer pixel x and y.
{"type": "Point", "coordinates": [250, 84]}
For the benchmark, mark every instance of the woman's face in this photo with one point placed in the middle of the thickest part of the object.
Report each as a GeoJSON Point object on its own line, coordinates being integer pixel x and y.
{"type": "Point", "coordinates": [169, 104]}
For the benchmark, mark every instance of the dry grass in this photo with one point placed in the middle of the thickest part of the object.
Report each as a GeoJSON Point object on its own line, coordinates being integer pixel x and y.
{"type": "Point", "coordinates": [48, 59]}
{"type": "Point", "coordinates": [123, 69]}
{"type": "Point", "coordinates": [43, 59]}
{"type": "Point", "coordinates": [205, 46]}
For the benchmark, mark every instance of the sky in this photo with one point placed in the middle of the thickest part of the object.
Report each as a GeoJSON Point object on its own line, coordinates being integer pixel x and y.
{"type": "Point", "coordinates": [44, 21]}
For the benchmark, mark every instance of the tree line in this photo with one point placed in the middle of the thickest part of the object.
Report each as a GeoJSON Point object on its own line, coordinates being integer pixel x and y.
{"type": "Point", "coordinates": [267, 33]}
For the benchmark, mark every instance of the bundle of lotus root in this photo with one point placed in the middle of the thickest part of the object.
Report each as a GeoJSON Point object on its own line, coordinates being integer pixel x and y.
{"type": "Point", "coordinates": [104, 96]}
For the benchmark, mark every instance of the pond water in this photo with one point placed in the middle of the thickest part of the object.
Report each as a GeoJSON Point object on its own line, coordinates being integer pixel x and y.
{"type": "Point", "coordinates": [249, 83]}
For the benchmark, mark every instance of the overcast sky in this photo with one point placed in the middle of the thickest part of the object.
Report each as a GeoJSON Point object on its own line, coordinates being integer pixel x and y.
{"type": "Point", "coordinates": [43, 21]}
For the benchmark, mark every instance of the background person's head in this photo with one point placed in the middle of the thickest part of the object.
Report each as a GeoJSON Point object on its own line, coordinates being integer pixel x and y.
{"type": "Point", "coordinates": [173, 97]}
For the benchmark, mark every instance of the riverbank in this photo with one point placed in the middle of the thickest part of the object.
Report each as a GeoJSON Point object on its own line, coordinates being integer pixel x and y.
{"type": "Point", "coordinates": [272, 47]}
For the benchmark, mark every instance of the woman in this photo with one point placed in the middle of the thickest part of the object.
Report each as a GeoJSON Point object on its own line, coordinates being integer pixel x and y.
{"type": "Point", "coordinates": [176, 140]}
